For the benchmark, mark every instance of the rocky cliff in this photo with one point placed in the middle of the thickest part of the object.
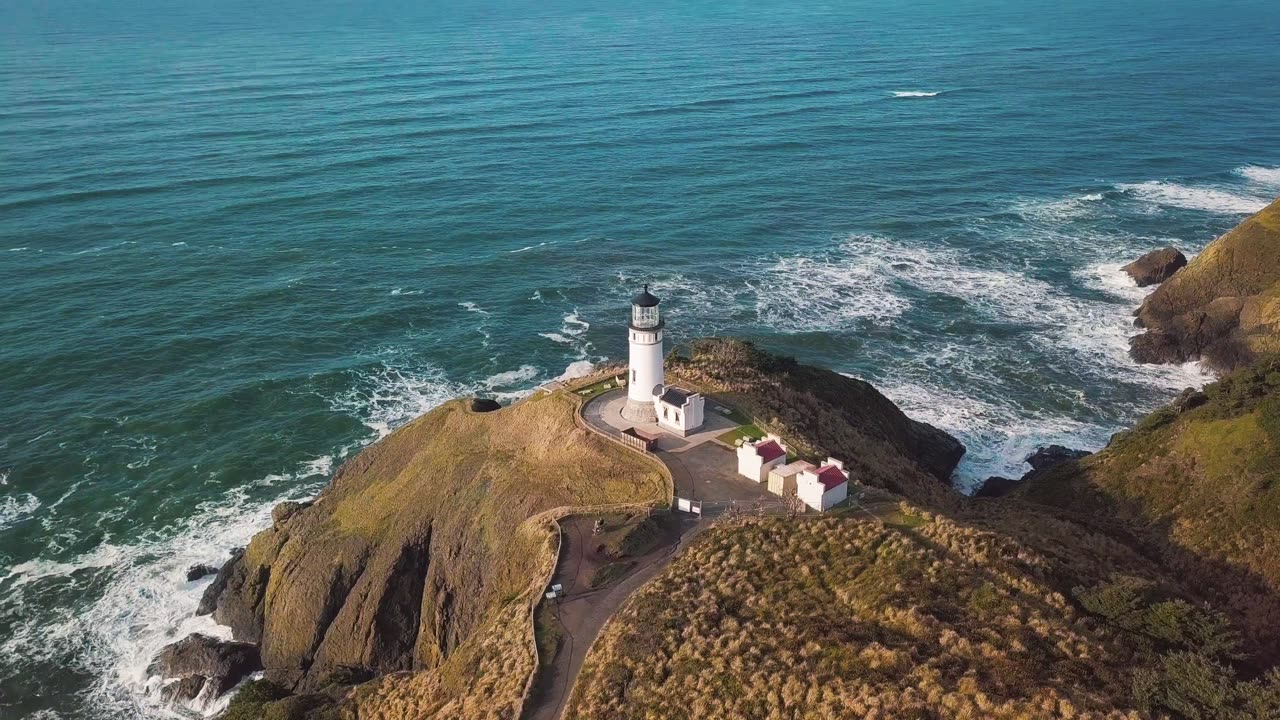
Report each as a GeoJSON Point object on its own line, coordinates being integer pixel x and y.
{"type": "Point", "coordinates": [1224, 306]}
{"type": "Point", "coordinates": [420, 559]}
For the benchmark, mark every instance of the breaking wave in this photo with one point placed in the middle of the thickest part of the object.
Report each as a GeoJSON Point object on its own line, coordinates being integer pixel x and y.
{"type": "Point", "coordinates": [915, 94]}
{"type": "Point", "coordinates": [146, 603]}
{"type": "Point", "coordinates": [1266, 176]}
{"type": "Point", "coordinates": [833, 291]}
{"type": "Point", "coordinates": [1191, 197]}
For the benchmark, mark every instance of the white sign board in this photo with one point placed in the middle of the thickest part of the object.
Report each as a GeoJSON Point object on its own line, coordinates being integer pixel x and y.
{"type": "Point", "coordinates": [683, 505]}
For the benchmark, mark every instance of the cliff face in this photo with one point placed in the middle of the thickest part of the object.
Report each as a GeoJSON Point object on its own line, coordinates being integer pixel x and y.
{"type": "Point", "coordinates": [417, 544]}
{"type": "Point", "coordinates": [1224, 306]}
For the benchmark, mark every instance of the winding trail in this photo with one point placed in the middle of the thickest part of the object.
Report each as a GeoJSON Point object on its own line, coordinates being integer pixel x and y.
{"type": "Point", "coordinates": [700, 468]}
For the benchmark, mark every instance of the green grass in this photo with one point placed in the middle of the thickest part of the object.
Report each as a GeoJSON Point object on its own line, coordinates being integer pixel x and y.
{"type": "Point", "coordinates": [902, 520]}
{"type": "Point", "coordinates": [633, 536]}
{"type": "Point", "coordinates": [748, 431]}
{"type": "Point", "coordinates": [547, 632]}
{"type": "Point", "coordinates": [597, 388]}
{"type": "Point", "coordinates": [611, 572]}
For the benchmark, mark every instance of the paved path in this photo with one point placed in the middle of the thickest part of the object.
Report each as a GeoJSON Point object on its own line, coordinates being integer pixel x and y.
{"type": "Point", "coordinates": [701, 468]}
{"type": "Point", "coordinates": [583, 611]}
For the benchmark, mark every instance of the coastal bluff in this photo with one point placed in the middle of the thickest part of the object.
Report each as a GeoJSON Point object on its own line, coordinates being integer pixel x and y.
{"type": "Point", "coordinates": [406, 587]}
{"type": "Point", "coordinates": [1223, 308]}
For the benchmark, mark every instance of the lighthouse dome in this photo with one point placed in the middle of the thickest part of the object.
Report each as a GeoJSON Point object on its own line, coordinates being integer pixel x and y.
{"type": "Point", "coordinates": [645, 299]}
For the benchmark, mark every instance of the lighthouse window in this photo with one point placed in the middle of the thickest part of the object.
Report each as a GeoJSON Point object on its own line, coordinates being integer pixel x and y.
{"type": "Point", "coordinates": [633, 375]}
{"type": "Point", "coordinates": [645, 317]}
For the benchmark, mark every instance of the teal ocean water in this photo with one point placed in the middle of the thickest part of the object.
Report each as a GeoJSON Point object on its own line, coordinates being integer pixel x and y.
{"type": "Point", "coordinates": [240, 241]}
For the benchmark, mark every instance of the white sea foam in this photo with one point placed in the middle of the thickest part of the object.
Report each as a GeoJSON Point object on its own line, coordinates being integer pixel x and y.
{"type": "Point", "coordinates": [177, 244]}
{"type": "Point", "coordinates": [572, 333]}
{"type": "Point", "coordinates": [1266, 176]}
{"type": "Point", "coordinates": [147, 602]}
{"type": "Point", "coordinates": [830, 291]}
{"type": "Point", "coordinates": [527, 248]}
{"type": "Point", "coordinates": [998, 437]}
{"type": "Point", "coordinates": [576, 369]}
{"type": "Point", "coordinates": [472, 307]}
{"type": "Point", "coordinates": [387, 397]}
{"type": "Point", "coordinates": [18, 249]}
{"type": "Point", "coordinates": [915, 94]}
{"type": "Point", "coordinates": [1220, 200]}
{"type": "Point", "coordinates": [511, 378]}
{"type": "Point", "coordinates": [16, 508]}
{"type": "Point", "coordinates": [1058, 211]}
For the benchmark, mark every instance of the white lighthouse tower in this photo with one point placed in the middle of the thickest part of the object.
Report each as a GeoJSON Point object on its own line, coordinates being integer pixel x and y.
{"type": "Point", "coordinates": [645, 380]}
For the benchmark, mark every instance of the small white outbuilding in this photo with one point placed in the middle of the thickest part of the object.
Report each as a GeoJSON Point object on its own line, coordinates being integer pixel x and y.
{"type": "Point", "coordinates": [782, 479]}
{"type": "Point", "coordinates": [825, 486]}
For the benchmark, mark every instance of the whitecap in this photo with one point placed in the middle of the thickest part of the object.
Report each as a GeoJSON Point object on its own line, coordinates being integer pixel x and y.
{"type": "Point", "coordinates": [997, 437]}
{"type": "Point", "coordinates": [16, 508]}
{"type": "Point", "coordinates": [147, 602]}
{"type": "Point", "coordinates": [572, 333]}
{"type": "Point", "coordinates": [1189, 197]}
{"type": "Point", "coordinates": [511, 378]}
{"type": "Point", "coordinates": [472, 307]}
{"type": "Point", "coordinates": [1268, 176]}
{"type": "Point", "coordinates": [1057, 211]}
{"type": "Point", "coordinates": [18, 249]}
{"type": "Point", "coordinates": [557, 338]}
{"type": "Point", "coordinates": [915, 93]}
{"type": "Point", "coordinates": [576, 369]}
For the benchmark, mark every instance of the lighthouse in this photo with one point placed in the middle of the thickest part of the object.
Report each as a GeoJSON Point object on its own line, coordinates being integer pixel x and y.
{"type": "Point", "coordinates": [645, 380]}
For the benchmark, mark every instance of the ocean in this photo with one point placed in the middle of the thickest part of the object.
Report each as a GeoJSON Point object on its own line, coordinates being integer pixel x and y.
{"type": "Point", "coordinates": [238, 242]}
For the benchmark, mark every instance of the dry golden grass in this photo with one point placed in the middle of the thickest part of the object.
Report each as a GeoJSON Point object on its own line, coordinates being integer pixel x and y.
{"type": "Point", "coordinates": [846, 618]}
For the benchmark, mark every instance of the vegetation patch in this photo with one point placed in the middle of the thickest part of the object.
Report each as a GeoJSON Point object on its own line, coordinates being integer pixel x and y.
{"type": "Point", "coordinates": [748, 431]}
{"type": "Point", "coordinates": [634, 535]}
{"type": "Point", "coordinates": [547, 632]}
{"type": "Point", "coordinates": [838, 617]}
{"type": "Point", "coordinates": [606, 574]}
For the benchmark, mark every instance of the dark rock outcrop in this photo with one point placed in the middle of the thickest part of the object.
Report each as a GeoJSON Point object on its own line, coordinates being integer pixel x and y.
{"type": "Point", "coordinates": [1156, 266]}
{"type": "Point", "coordinates": [1041, 461]}
{"type": "Point", "coordinates": [209, 601]}
{"type": "Point", "coordinates": [996, 486]}
{"type": "Point", "coordinates": [281, 513]}
{"type": "Point", "coordinates": [1052, 455]}
{"type": "Point", "coordinates": [1190, 399]}
{"type": "Point", "coordinates": [195, 572]}
{"type": "Point", "coordinates": [1222, 308]}
{"type": "Point", "coordinates": [205, 664]}
{"type": "Point", "coordinates": [483, 404]}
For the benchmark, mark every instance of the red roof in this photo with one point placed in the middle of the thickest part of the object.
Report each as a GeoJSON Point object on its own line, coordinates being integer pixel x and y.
{"type": "Point", "coordinates": [770, 450]}
{"type": "Point", "coordinates": [830, 476]}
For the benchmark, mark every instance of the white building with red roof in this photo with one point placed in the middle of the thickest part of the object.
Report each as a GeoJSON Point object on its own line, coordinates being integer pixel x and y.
{"type": "Point", "coordinates": [755, 459]}
{"type": "Point", "coordinates": [825, 486]}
